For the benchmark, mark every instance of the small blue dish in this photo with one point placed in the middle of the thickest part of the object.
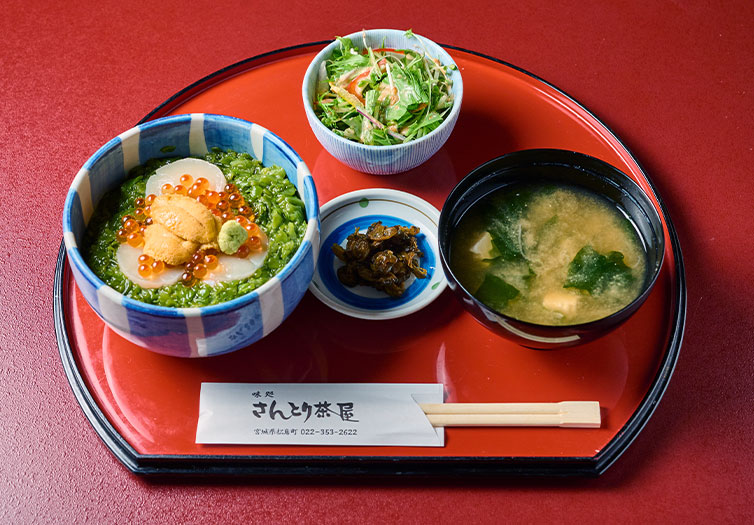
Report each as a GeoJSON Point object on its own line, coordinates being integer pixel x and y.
{"type": "Point", "coordinates": [209, 330]}
{"type": "Point", "coordinates": [359, 209]}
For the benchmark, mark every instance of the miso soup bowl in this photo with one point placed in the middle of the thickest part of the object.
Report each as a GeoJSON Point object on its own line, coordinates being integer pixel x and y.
{"type": "Point", "coordinates": [382, 160]}
{"type": "Point", "coordinates": [552, 166]}
{"type": "Point", "coordinates": [209, 330]}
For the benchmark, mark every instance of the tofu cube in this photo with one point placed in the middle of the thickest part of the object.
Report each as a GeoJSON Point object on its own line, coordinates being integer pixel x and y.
{"type": "Point", "coordinates": [561, 301]}
{"type": "Point", "coordinates": [482, 248]}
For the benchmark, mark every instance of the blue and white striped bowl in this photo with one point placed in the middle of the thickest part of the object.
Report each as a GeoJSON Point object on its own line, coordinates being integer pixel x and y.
{"type": "Point", "coordinates": [209, 330]}
{"type": "Point", "coordinates": [382, 160]}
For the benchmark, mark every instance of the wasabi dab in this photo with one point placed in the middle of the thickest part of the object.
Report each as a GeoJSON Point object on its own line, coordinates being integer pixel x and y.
{"type": "Point", "coordinates": [232, 236]}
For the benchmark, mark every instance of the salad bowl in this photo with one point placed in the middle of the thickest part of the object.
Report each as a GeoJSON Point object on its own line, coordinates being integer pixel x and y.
{"type": "Point", "coordinates": [388, 158]}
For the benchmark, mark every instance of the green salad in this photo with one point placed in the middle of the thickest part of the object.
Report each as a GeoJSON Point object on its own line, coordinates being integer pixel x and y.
{"type": "Point", "coordinates": [382, 96]}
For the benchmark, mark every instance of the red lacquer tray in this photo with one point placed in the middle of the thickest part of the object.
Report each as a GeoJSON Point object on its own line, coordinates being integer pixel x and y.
{"type": "Point", "coordinates": [145, 405]}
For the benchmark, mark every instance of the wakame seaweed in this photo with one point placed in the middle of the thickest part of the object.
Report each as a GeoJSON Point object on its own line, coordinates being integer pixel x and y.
{"type": "Point", "coordinates": [593, 272]}
{"type": "Point", "coordinates": [495, 292]}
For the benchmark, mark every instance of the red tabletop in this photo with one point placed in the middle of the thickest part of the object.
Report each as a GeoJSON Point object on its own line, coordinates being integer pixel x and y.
{"type": "Point", "coordinates": [673, 80]}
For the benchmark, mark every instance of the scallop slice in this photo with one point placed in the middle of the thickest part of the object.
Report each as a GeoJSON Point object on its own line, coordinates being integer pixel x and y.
{"type": "Point", "coordinates": [128, 260]}
{"type": "Point", "coordinates": [171, 174]}
{"type": "Point", "coordinates": [231, 268]}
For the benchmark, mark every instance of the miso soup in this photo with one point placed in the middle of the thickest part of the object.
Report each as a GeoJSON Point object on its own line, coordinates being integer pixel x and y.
{"type": "Point", "coordinates": [546, 254]}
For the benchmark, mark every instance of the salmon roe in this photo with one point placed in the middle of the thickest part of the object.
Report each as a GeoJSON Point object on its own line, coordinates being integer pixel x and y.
{"type": "Point", "coordinates": [228, 204]}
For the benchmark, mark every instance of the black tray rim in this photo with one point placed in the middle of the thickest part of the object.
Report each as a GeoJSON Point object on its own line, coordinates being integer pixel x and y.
{"type": "Point", "coordinates": [371, 466]}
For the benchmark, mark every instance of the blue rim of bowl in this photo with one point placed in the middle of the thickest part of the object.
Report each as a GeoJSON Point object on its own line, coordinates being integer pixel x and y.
{"type": "Point", "coordinates": [327, 51]}
{"type": "Point", "coordinates": [420, 293]}
{"type": "Point", "coordinates": [311, 203]}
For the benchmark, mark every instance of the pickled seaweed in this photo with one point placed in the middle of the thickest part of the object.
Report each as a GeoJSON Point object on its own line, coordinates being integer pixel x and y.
{"type": "Point", "coordinates": [384, 257]}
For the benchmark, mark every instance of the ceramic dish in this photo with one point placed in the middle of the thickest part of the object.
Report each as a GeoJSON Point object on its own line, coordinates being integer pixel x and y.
{"type": "Point", "coordinates": [359, 209]}
{"type": "Point", "coordinates": [209, 330]}
{"type": "Point", "coordinates": [383, 160]}
{"type": "Point", "coordinates": [559, 167]}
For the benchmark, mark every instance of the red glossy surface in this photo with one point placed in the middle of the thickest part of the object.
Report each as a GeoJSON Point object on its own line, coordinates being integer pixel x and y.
{"type": "Point", "coordinates": [671, 78]}
{"type": "Point", "coordinates": [152, 400]}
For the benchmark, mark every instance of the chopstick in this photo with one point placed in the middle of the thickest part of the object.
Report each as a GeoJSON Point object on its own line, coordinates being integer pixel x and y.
{"type": "Point", "coordinates": [570, 414]}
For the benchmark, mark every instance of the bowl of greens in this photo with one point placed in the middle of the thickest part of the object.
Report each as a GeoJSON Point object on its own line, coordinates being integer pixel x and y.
{"type": "Point", "coordinates": [193, 235]}
{"type": "Point", "coordinates": [382, 101]}
{"type": "Point", "coordinates": [550, 248]}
